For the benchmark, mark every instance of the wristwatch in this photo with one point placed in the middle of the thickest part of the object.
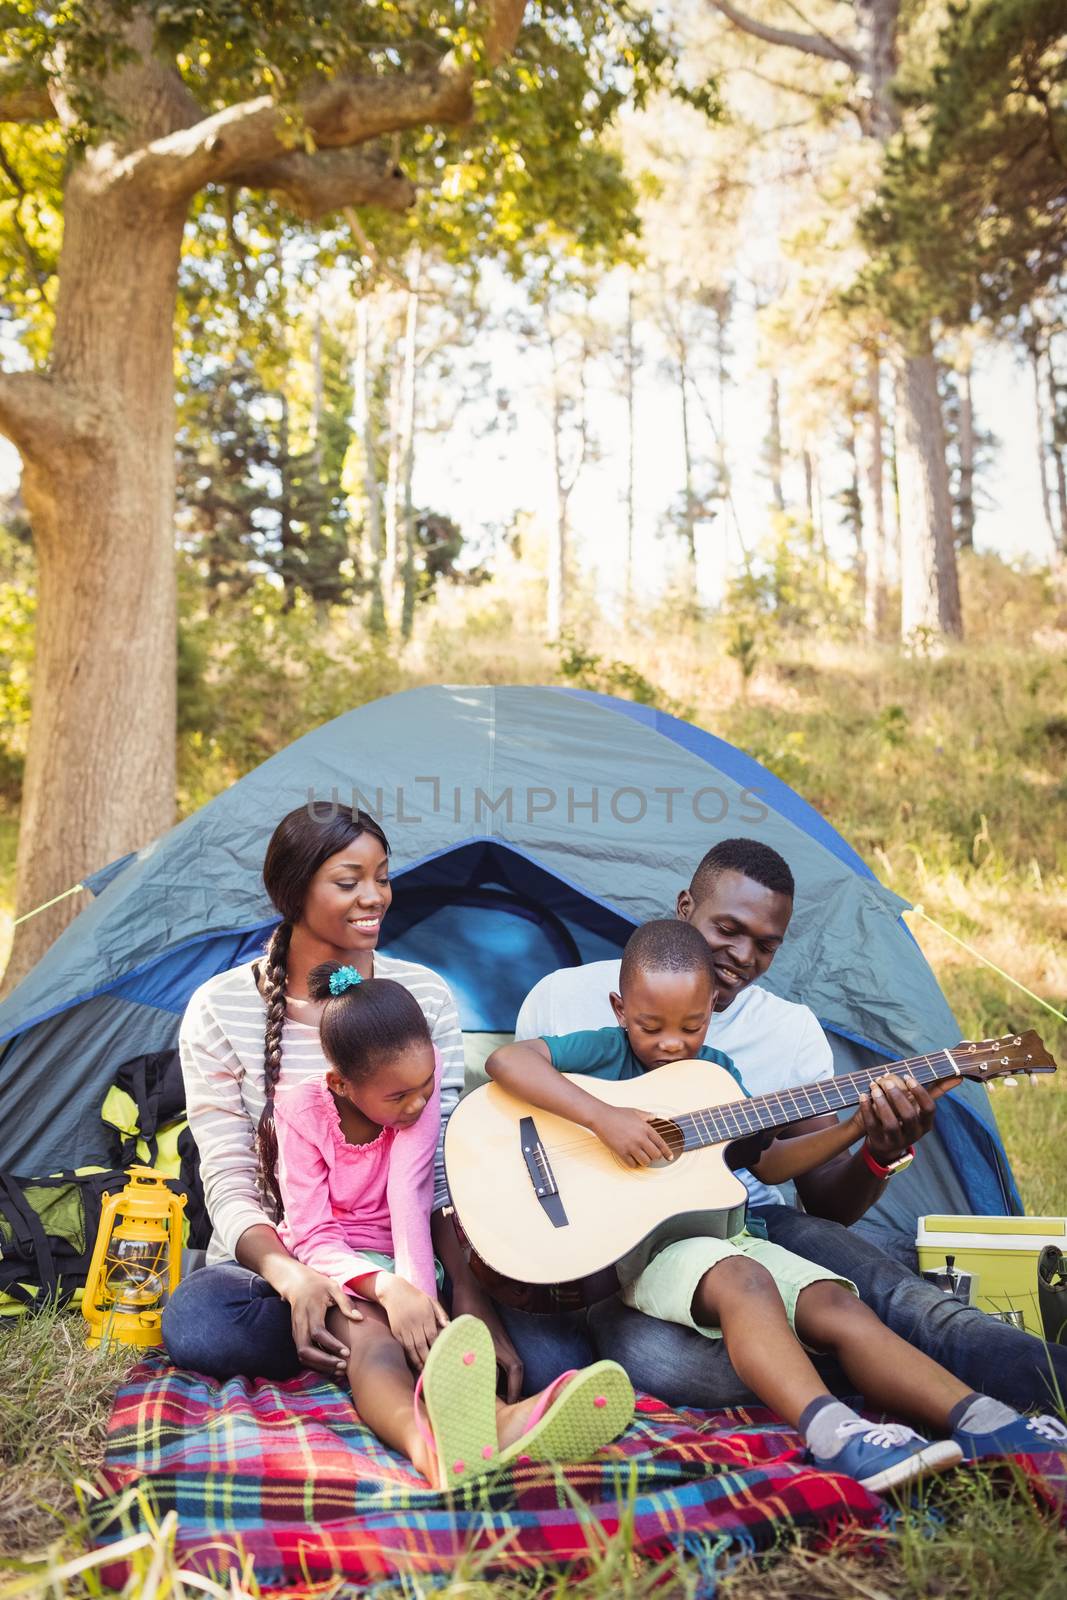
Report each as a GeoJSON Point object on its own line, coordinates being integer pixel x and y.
{"type": "Point", "coordinates": [893, 1166]}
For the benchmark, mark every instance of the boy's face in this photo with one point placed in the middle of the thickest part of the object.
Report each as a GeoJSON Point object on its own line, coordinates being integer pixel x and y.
{"type": "Point", "coordinates": [665, 1014]}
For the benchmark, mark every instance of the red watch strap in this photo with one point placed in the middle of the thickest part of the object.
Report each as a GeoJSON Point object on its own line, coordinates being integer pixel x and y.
{"type": "Point", "coordinates": [876, 1166]}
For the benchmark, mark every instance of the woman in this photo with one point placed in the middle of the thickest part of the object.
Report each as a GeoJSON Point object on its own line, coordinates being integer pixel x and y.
{"type": "Point", "coordinates": [254, 1310]}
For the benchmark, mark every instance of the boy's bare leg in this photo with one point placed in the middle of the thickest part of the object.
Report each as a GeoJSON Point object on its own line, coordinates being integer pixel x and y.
{"type": "Point", "coordinates": [891, 1374]}
{"type": "Point", "coordinates": [740, 1297]}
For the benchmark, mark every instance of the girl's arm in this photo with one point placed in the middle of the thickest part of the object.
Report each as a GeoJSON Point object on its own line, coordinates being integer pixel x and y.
{"type": "Point", "coordinates": [789, 1158]}
{"type": "Point", "coordinates": [315, 1235]}
{"type": "Point", "coordinates": [410, 1192]}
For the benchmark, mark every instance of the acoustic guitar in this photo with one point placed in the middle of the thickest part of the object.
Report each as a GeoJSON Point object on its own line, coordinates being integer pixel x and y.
{"type": "Point", "coordinates": [555, 1220]}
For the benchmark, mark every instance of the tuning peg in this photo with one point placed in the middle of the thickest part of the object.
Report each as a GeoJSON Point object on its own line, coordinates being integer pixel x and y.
{"type": "Point", "coordinates": [1010, 1083]}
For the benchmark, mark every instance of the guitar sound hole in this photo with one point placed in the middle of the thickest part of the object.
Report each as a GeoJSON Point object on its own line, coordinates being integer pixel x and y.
{"type": "Point", "coordinates": [673, 1137]}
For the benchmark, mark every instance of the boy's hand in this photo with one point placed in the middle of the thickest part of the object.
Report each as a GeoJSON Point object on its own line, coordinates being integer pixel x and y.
{"type": "Point", "coordinates": [630, 1135]}
{"type": "Point", "coordinates": [414, 1319]}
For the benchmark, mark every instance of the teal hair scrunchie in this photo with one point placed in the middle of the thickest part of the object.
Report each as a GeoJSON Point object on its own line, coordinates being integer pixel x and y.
{"type": "Point", "coordinates": [344, 978]}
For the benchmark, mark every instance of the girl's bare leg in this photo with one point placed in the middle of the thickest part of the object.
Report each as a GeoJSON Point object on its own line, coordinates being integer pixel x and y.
{"type": "Point", "coordinates": [383, 1388]}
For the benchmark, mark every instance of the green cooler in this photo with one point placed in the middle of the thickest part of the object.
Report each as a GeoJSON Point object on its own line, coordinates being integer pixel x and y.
{"type": "Point", "coordinates": [1002, 1253]}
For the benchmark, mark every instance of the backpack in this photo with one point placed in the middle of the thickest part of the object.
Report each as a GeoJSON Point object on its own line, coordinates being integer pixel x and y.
{"type": "Point", "coordinates": [144, 1115]}
{"type": "Point", "coordinates": [48, 1228]}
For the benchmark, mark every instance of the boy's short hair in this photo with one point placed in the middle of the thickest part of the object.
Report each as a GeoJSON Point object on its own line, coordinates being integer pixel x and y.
{"type": "Point", "coordinates": [749, 857]}
{"type": "Point", "coordinates": [666, 945]}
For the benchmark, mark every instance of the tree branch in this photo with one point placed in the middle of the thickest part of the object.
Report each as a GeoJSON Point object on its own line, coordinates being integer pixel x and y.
{"type": "Point", "coordinates": [332, 179]}
{"type": "Point", "coordinates": [21, 101]}
{"type": "Point", "coordinates": [41, 414]}
{"type": "Point", "coordinates": [334, 113]}
{"type": "Point", "coordinates": [811, 44]}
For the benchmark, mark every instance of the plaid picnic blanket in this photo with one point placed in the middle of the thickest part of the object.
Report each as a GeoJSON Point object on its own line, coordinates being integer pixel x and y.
{"type": "Point", "coordinates": [286, 1476]}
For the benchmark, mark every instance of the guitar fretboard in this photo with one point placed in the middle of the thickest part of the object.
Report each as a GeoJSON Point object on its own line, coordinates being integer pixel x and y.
{"type": "Point", "coordinates": [737, 1119]}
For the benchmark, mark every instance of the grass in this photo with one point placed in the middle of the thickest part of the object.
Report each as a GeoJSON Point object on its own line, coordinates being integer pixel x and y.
{"type": "Point", "coordinates": [949, 776]}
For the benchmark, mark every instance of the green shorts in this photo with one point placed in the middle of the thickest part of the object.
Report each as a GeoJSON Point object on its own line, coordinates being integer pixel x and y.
{"type": "Point", "coordinates": [388, 1264]}
{"type": "Point", "coordinates": [666, 1287]}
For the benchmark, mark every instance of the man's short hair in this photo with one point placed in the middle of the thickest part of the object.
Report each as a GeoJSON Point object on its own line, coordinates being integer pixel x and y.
{"type": "Point", "coordinates": [666, 945]}
{"type": "Point", "coordinates": [749, 857]}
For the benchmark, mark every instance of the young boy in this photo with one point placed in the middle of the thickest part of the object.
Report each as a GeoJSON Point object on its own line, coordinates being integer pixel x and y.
{"type": "Point", "coordinates": [769, 1305]}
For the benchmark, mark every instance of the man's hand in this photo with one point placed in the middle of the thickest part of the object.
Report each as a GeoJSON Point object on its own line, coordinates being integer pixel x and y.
{"type": "Point", "coordinates": [470, 1299]}
{"type": "Point", "coordinates": [309, 1295]}
{"type": "Point", "coordinates": [414, 1319]}
{"type": "Point", "coordinates": [896, 1114]}
{"type": "Point", "coordinates": [630, 1135]}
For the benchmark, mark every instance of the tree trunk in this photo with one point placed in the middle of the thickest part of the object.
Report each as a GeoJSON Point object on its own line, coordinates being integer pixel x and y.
{"type": "Point", "coordinates": [965, 505]}
{"type": "Point", "coordinates": [557, 546]}
{"type": "Point", "coordinates": [852, 446]}
{"type": "Point", "coordinates": [407, 430]}
{"type": "Point", "coordinates": [774, 446]}
{"type": "Point", "coordinates": [872, 502]}
{"type": "Point", "coordinates": [930, 600]}
{"type": "Point", "coordinates": [289, 561]}
{"type": "Point", "coordinates": [364, 409]}
{"type": "Point", "coordinates": [1042, 450]}
{"type": "Point", "coordinates": [392, 487]}
{"type": "Point", "coordinates": [631, 453]}
{"type": "Point", "coordinates": [689, 510]}
{"type": "Point", "coordinates": [1057, 442]}
{"type": "Point", "coordinates": [100, 767]}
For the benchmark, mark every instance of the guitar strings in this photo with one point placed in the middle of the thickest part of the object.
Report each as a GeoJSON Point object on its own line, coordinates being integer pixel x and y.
{"type": "Point", "coordinates": [741, 1110]}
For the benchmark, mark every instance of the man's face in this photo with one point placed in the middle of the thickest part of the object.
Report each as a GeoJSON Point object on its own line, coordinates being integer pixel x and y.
{"type": "Point", "coordinates": [665, 1014]}
{"type": "Point", "coordinates": [743, 923]}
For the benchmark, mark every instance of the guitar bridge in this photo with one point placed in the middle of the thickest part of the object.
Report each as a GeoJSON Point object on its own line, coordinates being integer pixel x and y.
{"type": "Point", "coordinates": [541, 1175]}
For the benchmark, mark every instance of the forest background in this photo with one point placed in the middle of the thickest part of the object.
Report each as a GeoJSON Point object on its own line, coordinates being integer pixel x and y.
{"type": "Point", "coordinates": [715, 358]}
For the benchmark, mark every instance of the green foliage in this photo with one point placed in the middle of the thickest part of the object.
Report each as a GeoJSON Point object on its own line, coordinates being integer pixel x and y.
{"type": "Point", "coordinates": [791, 586]}
{"type": "Point", "coordinates": [587, 670]}
{"type": "Point", "coordinates": [17, 609]}
{"type": "Point", "coordinates": [970, 217]}
{"type": "Point", "coordinates": [256, 675]}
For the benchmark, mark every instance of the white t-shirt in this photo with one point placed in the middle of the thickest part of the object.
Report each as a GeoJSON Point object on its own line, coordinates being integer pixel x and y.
{"type": "Point", "coordinates": [775, 1044]}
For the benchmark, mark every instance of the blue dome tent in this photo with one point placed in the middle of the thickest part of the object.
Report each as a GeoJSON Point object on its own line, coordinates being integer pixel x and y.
{"type": "Point", "coordinates": [531, 828]}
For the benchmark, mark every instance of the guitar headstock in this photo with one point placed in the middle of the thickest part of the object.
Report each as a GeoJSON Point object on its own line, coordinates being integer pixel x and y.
{"type": "Point", "coordinates": [1016, 1053]}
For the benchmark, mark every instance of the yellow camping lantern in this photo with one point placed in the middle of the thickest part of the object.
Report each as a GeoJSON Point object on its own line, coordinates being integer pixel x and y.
{"type": "Point", "coordinates": [136, 1261]}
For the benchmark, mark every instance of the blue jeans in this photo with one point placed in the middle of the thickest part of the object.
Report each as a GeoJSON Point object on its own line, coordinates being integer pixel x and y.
{"type": "Point", "coordinates": [228, 1322]}
{"type": "Point", "coordinates": [683, 1368]}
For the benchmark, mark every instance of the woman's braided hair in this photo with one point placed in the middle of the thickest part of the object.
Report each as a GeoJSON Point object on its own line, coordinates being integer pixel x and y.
{"type": "Point", "coordinates": [299, 845]}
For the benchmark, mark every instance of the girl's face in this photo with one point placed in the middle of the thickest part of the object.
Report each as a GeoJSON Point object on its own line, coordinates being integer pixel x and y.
{"type": "Point", "coordinates": [349, 896]}
{"type": "Point", "coordinates": [396, 1093]}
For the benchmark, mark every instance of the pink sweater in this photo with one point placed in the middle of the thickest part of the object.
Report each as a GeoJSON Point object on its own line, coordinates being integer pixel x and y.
{"type": "Point", "coordinates": [342, 1198]}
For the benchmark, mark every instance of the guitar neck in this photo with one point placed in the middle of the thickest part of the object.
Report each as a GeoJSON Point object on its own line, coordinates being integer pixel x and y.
{"type": "Point", "coordinates": [761, 1113]}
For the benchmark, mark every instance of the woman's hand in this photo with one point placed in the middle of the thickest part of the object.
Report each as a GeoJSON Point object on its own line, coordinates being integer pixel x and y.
{"type": "Point", "coordinates": [630, 1135]}
{"type": "Point", "coordinates": [414, 1318]}
{"type": "Point", "coordinates": [309, 1295]}
{"type": "Point", "coordinates": [470, 1299]}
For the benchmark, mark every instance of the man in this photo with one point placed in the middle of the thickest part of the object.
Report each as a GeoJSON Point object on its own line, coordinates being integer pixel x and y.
{"type": "Point", "coordinates": [741, 901]}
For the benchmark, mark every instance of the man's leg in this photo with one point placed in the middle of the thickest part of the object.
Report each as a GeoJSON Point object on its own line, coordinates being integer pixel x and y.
{"type": "Point", "coordinates": [228, 1322]}
{"type": "Point", "coordinates": [987, 1355]}
{"type": "Point", "coordinates": [547, 1345]}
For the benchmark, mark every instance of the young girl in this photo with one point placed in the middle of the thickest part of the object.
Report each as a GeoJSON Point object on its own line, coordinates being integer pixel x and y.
{"type": "Point", "coordinates": [349, 1159]}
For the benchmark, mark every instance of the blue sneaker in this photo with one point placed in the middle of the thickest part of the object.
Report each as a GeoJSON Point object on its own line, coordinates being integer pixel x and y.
{"type": "Point", "coordinates": [1026, 1436]}
{"type": "Point", "coordinates": [883, 1455]}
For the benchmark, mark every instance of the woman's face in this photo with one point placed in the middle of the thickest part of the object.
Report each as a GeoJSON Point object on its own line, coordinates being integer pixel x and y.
{"type": "Point", "coordinates": [349, 896]}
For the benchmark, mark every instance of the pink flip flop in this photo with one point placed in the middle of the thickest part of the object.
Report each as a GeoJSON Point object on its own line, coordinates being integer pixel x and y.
{"type": "Point", "coordinates": [457, 1390]}
{"type": "Point", "coordinates": [575, 1416]}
